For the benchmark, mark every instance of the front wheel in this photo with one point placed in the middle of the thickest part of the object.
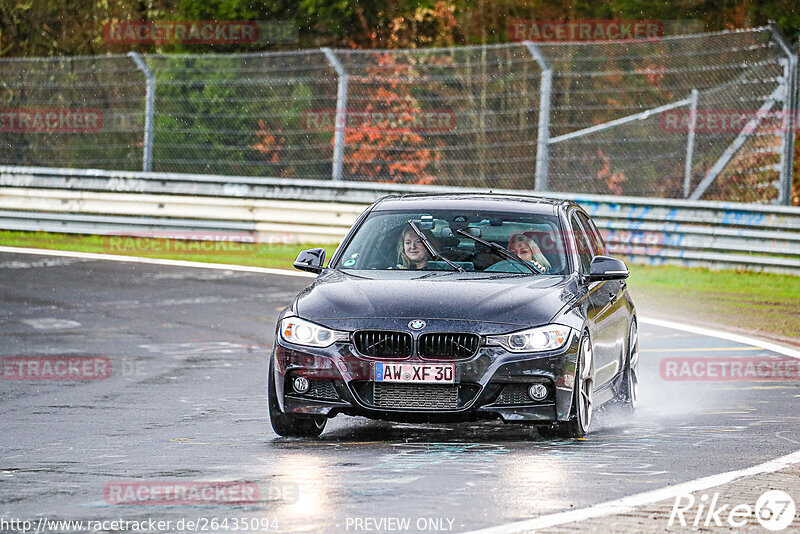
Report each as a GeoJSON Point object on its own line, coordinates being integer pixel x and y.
{"type": "Point", "coordinates": [289, 425]}
{"type": "Point", "coordinates": [582, 399]}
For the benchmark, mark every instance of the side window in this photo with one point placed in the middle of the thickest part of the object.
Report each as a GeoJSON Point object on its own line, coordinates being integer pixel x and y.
{"type": "Point", "coordinates": [584, 248]}
{"type": "Point", "coordinates": [598, 247]}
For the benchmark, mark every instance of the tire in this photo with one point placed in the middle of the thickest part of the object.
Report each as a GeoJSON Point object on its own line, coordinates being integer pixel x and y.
{"type": "Point", "coordinates": [582, 399]}
{"type": "Point", "coordinates": [629, 392]}
{"type": "Point", "coordinates": [289, 425]}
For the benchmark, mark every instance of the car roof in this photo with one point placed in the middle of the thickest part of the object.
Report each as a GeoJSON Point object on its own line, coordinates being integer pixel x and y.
{"type": "Point", "coordinates": [471, 201]}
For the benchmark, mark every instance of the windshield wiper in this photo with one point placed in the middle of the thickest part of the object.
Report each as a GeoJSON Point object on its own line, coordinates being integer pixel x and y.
{"type": "Point", "coordinates": [503, 251]}
{"type": "Point", "coordinates": [430, 249]}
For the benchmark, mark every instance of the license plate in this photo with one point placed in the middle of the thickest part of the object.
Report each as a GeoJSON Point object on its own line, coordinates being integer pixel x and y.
{"type": "Point", "coordinates": [423, 373]}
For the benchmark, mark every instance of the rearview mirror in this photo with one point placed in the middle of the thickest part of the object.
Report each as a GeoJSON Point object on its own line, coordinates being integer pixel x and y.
{"type": "Point", "coordinates": [310, 260]}
{"type": "Point", "coordinates": [607, 268]}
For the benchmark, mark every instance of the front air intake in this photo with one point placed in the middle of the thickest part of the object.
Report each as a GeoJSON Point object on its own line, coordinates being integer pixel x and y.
{"type": "Point", "coordinates": [383, 344]}
{"type": "Point", "coordinates": [448, 346]}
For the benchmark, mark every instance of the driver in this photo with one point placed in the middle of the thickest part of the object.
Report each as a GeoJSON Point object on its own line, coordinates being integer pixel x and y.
{"type": "Point", "coordinates": [411, 253]}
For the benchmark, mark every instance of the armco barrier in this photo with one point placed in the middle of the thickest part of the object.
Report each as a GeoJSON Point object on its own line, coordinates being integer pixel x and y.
{"type": "Point", "coordinates": [654, 231]}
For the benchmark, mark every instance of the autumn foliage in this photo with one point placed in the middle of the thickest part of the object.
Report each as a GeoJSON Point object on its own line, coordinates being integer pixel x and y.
{"type": "Point", "coordinates": [388, 154]}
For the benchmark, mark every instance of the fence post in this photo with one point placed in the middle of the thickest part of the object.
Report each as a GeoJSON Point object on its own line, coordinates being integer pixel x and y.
{"type": "Point", "coordinates": [789, 107]}
{"type": "Point", "coordinates": [543, 135]}
{"type": "Point", "coordinates": [687, 171]}
{"type": "Point", "coordinates": [341, 111]}
{"type": "Point", "coordinates": [149, 110]}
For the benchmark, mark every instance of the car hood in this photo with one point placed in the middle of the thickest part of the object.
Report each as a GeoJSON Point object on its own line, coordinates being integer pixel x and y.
{"type": "Point", "coordinates": [494, 302]}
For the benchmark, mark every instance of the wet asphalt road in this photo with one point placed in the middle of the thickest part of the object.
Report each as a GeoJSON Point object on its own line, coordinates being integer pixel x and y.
{"type": "Point", "coordinates": [186, 401]}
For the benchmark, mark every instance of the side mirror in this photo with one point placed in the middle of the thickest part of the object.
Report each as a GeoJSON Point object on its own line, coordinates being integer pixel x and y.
{"type": "Point", "coordinates": [310, 260]}
{"type": "Point", "coordinates": [606, 268]}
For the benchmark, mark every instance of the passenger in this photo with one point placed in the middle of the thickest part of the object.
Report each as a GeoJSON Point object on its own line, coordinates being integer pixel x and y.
{"type": "Point", "coordinates": [411, 253]}
{"type": "Point", "coordinates": [527, 249]}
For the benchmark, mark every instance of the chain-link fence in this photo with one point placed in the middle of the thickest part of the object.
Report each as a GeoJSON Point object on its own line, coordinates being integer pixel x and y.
{"type": "Point", "coordinates": [71, 112]}
{"type": "Point", "coordinates": [727, 78]}
{"type": "Point", "coordinates": [691, 116]}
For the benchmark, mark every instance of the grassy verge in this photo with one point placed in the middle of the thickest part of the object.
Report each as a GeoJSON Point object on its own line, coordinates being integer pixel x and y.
{"type": "Point", "coordinates": [752, 302]}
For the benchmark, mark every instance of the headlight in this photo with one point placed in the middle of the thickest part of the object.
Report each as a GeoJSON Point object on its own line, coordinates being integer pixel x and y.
{"type": "Point", "coordinates": [302, 332]}
{"type": "Point", "coordinates": [550, 337]}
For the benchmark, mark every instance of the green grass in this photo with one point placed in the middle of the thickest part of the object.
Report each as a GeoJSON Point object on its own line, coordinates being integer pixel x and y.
{"type": "Point", "coordinates": [756, 286]}
{"type": "Point", "coordinates": [755, 302]}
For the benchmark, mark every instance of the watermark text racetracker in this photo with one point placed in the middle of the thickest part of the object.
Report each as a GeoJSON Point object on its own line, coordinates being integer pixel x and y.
{"type": "Point", "coordinates": [193, 242]}
{"type": "Point", "coordinates": [69, 368]}
{"type": "Point", "coordinates": [185, 524]}
{"type": "Point", "coordinates": [171, 493]}
{"type": "Point", "coordinates": [716, 121]}
{"type": "Point", "coordinates": [55, 368]}
{"type": "Point", "coordinates": [726, 369]}
{"type": "Point", "coordinates": [404, 120]}
{"type": "Point", "coordinates": [200, 32]}
{"type": "Point", "coordinates": [584, 30]}
{"type": "Point", "coordinates": [196, 493]}
{"type": "Point", "coordinates": [50, 120]}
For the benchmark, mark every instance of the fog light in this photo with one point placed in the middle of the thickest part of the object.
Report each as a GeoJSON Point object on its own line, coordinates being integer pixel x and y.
{"type": "Point", "coordinates": [300, 384]}
{"type": "Point", "coordinates": [538, 392]}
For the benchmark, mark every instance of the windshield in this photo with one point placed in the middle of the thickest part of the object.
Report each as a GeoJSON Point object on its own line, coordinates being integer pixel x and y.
{"type": "Point", "coordinates": [386, 241]}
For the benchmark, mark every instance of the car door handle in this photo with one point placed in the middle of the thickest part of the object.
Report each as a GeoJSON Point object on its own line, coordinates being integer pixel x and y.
{"type": "Point", "coordinates": [612, 297]}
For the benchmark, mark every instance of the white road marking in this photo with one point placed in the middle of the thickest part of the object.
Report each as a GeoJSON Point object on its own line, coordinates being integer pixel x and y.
{"type": "Point", "coordinates": [202, 347]}
{"type": "Point", "coordinates": [194, 275]}
{"type": "Point", "coordinates": [51, 323]}
{"type": "Point", "coordinates": [704, 349]}
{"type": "Point", "coordinates": [626, 504]}
{"type": "Point", "coordinates": [154, 261]}
{"type": "Point", "coordinates": [745, 340]}
{"type": "Point", "coordinates": [599, 510]}
{"type": "Point", "coordinates": [46, 262]}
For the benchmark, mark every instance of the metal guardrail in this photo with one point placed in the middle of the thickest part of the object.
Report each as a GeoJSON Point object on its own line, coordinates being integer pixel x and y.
{"type": "Point", "coordinates": [654, 231]}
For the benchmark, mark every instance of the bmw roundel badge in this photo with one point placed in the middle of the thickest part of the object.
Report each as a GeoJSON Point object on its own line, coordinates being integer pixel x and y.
{"type": "Point", "coordinates": [416, 324]}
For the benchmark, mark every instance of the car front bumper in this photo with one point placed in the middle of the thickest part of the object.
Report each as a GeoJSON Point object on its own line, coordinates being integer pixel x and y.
{"type": "Point", "coordinates": [491, 384]}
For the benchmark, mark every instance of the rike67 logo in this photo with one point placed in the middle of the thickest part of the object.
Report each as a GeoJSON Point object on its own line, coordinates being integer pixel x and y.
{"type": "Point", "coordinates": [774, 510]}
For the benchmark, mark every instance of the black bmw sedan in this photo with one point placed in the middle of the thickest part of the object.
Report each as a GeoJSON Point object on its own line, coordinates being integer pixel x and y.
{"type": "Point", "coordinates": [458, 307]}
